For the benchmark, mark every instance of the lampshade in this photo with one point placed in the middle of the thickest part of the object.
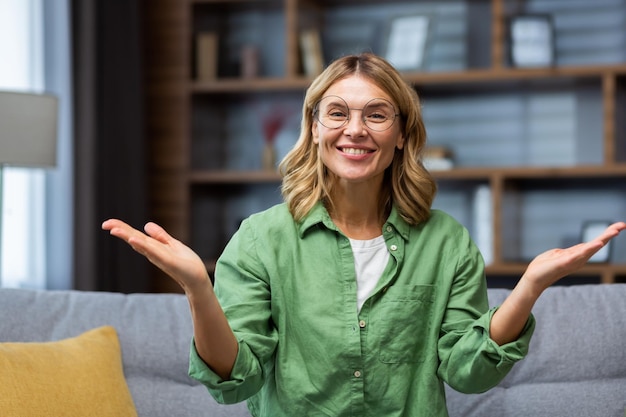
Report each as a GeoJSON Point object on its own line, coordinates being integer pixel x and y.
{"type": "Point", "coordinates": [28, 129]}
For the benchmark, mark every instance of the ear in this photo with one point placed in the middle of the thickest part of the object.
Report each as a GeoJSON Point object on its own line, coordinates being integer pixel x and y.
{"type": "Point", "coordinates": [400, 142]}
{"type": "Point", "coordinates": [315, 132]}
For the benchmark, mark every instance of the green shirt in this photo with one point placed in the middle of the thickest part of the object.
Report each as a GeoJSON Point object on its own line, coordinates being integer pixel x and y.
{"type": "Point", "coordinates": [289, 292]}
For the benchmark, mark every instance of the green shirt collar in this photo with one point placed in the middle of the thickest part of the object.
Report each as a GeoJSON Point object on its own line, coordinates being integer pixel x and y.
{"type": "Point", "coordinates": [319, 215]}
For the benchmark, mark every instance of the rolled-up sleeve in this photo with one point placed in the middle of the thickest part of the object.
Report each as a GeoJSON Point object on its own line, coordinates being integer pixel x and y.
{"type": "Point", "coordinates": [245, 380]}
{"type": "Point", "coordinates": [469, 360]}
{"type": "Point", "coordinates": [473, 362]}
{"type": "Point", "coordinates": [242, 287]}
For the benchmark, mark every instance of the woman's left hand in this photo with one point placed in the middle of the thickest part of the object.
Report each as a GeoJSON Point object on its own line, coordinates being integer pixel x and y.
{"type": "Point", "coordinates": [552, 265]}
{"type": "Point", "coordinates": [543, 271]}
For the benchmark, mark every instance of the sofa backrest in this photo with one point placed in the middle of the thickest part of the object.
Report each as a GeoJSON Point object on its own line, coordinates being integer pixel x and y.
{"type": "Point", "coordinates": [576, 365]}
{"type": "Point", "coordinates": [154, 331]}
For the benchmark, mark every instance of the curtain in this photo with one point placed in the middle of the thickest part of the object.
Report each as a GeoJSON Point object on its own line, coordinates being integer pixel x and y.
{"type": "Point", "coordinates": [110, 147]}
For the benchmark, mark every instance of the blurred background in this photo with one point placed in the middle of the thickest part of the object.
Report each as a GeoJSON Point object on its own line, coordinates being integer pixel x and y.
{"type": "Point", "coordinates": [179, 111]}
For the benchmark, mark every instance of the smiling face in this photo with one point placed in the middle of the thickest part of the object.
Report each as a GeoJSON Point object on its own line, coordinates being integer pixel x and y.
{"type": "Point", "coordinates": [355, 153]}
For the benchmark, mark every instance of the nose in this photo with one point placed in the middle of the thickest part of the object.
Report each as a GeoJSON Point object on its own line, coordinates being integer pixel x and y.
{"type": "Point", "coordinates": [355, 125]}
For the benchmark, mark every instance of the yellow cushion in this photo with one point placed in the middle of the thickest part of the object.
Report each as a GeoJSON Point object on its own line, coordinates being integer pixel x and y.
{"type": "Point", "coordinates": [80, 376]}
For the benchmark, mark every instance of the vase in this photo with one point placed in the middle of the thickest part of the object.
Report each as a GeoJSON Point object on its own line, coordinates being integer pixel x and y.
{"type": "Point", "coordinates": [269, 157]}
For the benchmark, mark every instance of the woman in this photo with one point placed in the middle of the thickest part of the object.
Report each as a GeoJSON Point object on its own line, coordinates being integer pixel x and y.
{"type": "Point", "coordinates": [353, 298]}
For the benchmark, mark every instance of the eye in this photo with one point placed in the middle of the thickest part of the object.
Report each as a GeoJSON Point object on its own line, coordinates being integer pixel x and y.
{"type": "Point", "coordinates": [376, 116]}
{"type": "Point", "coordinates": [337, 113]}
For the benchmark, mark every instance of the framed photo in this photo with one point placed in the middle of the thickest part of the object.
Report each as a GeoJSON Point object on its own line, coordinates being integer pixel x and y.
{"type": "Point", "coordinates": [407, 42]}
{"type": "Point", "coordinates": [531, 40]}
{"type": "Point", "coordinates": [311, 52]}
{"type": "Point", "coordinates": [591, 229]}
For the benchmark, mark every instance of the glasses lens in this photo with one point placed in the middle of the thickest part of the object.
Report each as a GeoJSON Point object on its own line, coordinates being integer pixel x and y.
{"type": "Point", "coordinates": [332, 112]}
{"type": "Point", "coordinates": [379, 114]}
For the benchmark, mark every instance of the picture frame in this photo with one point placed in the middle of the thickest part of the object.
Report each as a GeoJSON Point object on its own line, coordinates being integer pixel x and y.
{"type": "Point", "coordinates": [592, 229]}
{"type": "Point", "coordinates": [531, 41]}
{"type": "Point", "coordinates": [407, 41]}
{"type": "Point", "coordinates": [311, 52]}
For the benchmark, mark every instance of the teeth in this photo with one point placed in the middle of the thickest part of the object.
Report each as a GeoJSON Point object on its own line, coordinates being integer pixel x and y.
{"type": "Point", "coordinates": [353, 151]}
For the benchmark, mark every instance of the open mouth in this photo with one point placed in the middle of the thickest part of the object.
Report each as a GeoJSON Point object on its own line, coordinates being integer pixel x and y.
{"type": "Point", "coordinates": [354, 151]}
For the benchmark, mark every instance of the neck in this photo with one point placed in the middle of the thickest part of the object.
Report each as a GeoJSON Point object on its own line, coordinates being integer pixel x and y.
{"type": "Point", "coordinates": [357, 212]}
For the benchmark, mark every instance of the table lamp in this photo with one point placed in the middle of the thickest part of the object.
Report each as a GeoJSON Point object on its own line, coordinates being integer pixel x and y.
{"type": "Point", "coordinates": [28, 134]}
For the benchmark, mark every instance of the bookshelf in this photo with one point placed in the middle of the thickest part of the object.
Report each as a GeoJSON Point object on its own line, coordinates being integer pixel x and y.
{"type": "Point", "coordinates": [548, 143]}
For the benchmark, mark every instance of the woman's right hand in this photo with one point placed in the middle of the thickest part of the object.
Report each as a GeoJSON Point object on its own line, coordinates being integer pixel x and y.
{"type": "Point", "coordinates": [168, 254]}
{"type": "Point", "coordinates": [213, 338]}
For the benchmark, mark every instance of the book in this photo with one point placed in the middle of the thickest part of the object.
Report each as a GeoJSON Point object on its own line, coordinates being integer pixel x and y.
{"type": "Point", "coordinates": [438, 164]}
{"type": "Point", "coordinates": [311, 51]}
{"type": "Point", "coordinates": [249, 61]}
{"type": "Point", "coordinates": [437, 158]}
{"type": "Point", "coordinates": [483, 222]}
{"type": "Point", "coordinates": [437, 152]}
{"type": "Point", "coordinates": [206, 56]}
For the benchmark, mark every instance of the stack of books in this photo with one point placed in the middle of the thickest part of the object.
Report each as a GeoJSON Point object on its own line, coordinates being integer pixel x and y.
{"type": "Point", "coordinates": [438, 158]}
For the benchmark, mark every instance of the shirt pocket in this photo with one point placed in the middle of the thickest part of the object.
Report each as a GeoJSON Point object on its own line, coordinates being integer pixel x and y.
{"type": "Point", "coordinates": [405, 319]}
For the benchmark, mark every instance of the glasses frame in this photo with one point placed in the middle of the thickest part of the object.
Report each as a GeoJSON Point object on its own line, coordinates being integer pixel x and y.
{"type": "Point", "coordinates": [316, 113]}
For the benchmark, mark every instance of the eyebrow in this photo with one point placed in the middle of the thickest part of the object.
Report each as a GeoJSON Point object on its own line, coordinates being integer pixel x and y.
{"type": "Point", "coordinates": [381, 104]}
{"type": "Point", "coordinates": [337, 102]}
{"type": "Point", "coordinates": [340, 101]}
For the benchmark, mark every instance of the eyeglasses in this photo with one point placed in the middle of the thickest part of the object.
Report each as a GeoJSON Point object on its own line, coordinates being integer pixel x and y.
{"type": "Point", "coordinates": [333, 112]}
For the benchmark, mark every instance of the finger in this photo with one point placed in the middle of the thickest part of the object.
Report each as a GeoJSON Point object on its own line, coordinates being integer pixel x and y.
{"type": "Point", "coordinates": [111, 223]}
{"type": "Point", "coordinates": [619, 226]}
{"type": "Point", "coordinates": [146, 245]}
{"type": "Point", "coordinates": [590, 248]}
{"type": "Point", "coordinates": [155, 251]}
{"type": "Point", "coordinates": [157, 232]}
{"type": "Point", "coordinates": [152, 248]}
{"type": "Point", "coordinates": [120, 229]}
{"type": "Point", "coordinates": [610, 232]}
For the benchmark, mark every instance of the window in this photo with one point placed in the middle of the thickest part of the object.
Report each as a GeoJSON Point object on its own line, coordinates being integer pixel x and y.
{"type": "Point", "coordinates": [22, 243]}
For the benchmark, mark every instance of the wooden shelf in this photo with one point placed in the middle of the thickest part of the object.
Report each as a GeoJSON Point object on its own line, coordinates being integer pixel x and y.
{"type": "Point", "coordinates": [471, 76]}
{"type": "Point", "coordinates": [233, 177]}
{"type": "Point", "coordinates": [607, 273]}
{"type": "Point", "coordinates": [252, 85]}
{"type": "Point", "coordinates": [515, 74]}
{"type": "Point", "coordinates": [188, 117]}
{"type": "Point", "coordinates": [579, 171]}
{"type": "Point", "coordinates": [518, 268]}
{"type": "Point", "coordinates": [618, 170]}
{"type": "Point", "coordinates": [593, 171]}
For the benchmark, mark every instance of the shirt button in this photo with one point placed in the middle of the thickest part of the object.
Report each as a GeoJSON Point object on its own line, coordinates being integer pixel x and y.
{"type": "Point", "coordinates": [357, 374]}
{"type": "Point", "coordinates": [362, 324]}
{"type": "Point", "coordinates": [389, 228]}
{"type": "Point", "coordinates": [393, 247]}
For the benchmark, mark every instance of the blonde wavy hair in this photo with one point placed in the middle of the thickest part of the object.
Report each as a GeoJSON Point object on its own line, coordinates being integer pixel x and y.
{"type": "Point", "coordinates": [407, 184]}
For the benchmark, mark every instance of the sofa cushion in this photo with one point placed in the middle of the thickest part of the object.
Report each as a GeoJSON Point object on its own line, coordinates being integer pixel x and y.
{"type": "Point", "coordinates": [576, 364]}
{"type": "Point", "coordinates": [154, 331]}
{"type": "Point", "coordinates": [78, 376]}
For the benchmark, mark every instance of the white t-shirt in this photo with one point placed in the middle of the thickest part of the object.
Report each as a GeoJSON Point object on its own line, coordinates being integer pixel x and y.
{"type": "Point", "coordinates": [370, 259]}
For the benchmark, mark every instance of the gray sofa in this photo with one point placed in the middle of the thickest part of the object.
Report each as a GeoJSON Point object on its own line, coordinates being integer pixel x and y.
{"type": "Point", "coordinates": [576, 365]}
